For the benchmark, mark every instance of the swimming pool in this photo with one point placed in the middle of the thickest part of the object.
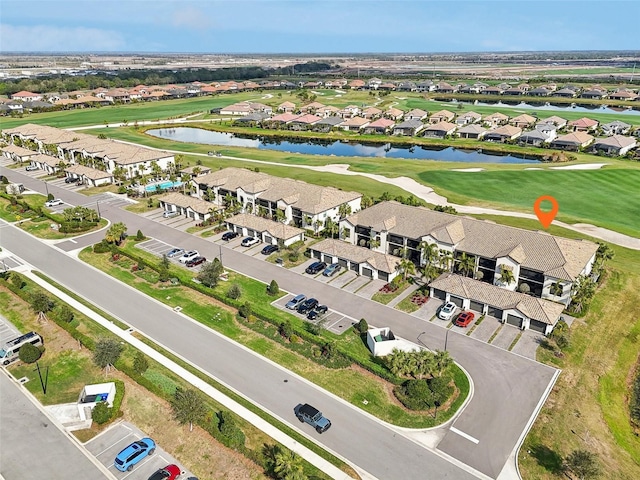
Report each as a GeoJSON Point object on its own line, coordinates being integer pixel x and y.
{"type": "Point", "coordinates": [164, 185]}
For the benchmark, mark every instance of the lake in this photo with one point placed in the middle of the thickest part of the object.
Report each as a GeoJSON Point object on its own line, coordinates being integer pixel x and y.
{"type": "Point", "coordinates": [335, 148]}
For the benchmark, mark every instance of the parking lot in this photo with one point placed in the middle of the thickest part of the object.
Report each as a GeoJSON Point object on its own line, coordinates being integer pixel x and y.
{"type": "Point", "coordinates": [177, 221]}
{"type": "Point", "coordinates": [109, 443]}
{"type": "Point", "coordinates": [159, 248]}
{"type": "Point", "coordinates": [333, 321]}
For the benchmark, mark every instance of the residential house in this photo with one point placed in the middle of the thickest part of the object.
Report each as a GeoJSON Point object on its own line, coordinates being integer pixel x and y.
{"type": "Point", "coordinates": [304, 122]}
{"type": "Point", "coordinates": [357, 84]}
{"type": "Point", "coordinates": [242, 108]}
{"type": "Point", "coordinates": [559, 122]}
{"type": "Point", "coordinates": [371, 113]}
{"type": "Point", "coordinates": [18, 154]}
{"type": "Point", "coordinates": [407, 87]}
{"type": "Point", "coordinates": [615, 145]}
{"type": "Point", "coordinates": [513, 91]}
{"type": "Point", "coordinates": [572, 141]}
{"type": "Point", "coordinates": [349, 111]}
{"type": "Point", "coordinates": [25, 96]}
{"type": "Point", "coordinates": [252, 119]}
{"type": "Point", "coordinates": [426, 86]}
{"type": "Point", "coordinates": [368, 263]}
{"type": "Point", "coordinates": [547, 264]}
{"type": "Point", "coordinates": [301, 204]}
{"type": "Point", "coordinates": [327, 111]}
{"type": "Point", "coordinates": [327, 124]}
{"type": "Point", "coordinates": [503, 134]}
{"type": "Point", "coordinates": [565, 93]}
{"type": "Point", "coordinates": [469, 89]}
{"type": "Point", "coordinates": [442, 116]}
{"type": "Point", "coordinates": [615, 128]}
{"type": "Point", "coordinates": [387, 87]}
{"type": "Point", "coordinates": [416, 114]}
{"type": "Point", "coordinates": [523, 121]}
{"type": "Point", "coordinates": [260, 107]}
{"type": "Point", "coordinates": [89, 176]}
{"type": "Point", "coordinates": [538, 136]}
{"type": "Point", "coordinates": [540, 92]}
{"type": "Point", "coordinates": [355, 124]}
{"type": "Point", "coordinates": [195, 171]}
{"type": "Point", "coordinates": [624, 94]}
{"type": "Point", "coordinates": [472, 131]}
{"type": "Point", "coordinates": [583, 124]}
{"type": "Point", "coordinates": [46, 163]}
{"type": "Point", "coordinates": [287, 107]}
{"type": "Point", "coordinates": [467, 118]}
{"type": "Point", "coordinates": [408, 128]}
{"type": "Point", "coordinates": [495, 119]}
{"type": "Point", "coordinates": [189, 207]}
{"type": "Point", "coordinates": [268, 231]}
{"type": "Point", "coordinates": [444, 87]}
{"type": "Point", "coordinates": [493, 90]}
{"type": "Point", "coordinates": [312, 107]}
{"type": "Point", "coordinates": [278, 121]}
{"type": "Point", "coordinates": [439, 130]}
{"type": "Point", "coordinates": [594, 94]}
{"type": "Point", "coordinates": [374, 83]}
{"type": "Point", "coordinates": [394, 114]}
{"type": "Point", "coordinates": [380, 126]}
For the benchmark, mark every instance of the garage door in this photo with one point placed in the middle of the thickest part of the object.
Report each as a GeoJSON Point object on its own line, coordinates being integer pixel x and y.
{"type": "Point", "coordinates": [342, 262]}
{"type": "Point", "coordinates": [456, 300]}
{"type": "Point", "coordinates": [268, 239]}
{"type": "Point", "coordinates": [514, 320]}
{"type": "Point", "coordinates": [537, 326]}
{"type": "Point", "coordinates": [315, 254]}
{"type": "Point", "coordinates": [476, 306]}
{"type": "Point", "coordinates": [383, 276]}
{"type": "Point", "coordinates": [367, 272]}
{"type": "Point", "coordinates": [355, 267]}
{"type": "Point", "coordinates": [494, 312]}
{"type": "Point", "coordinates": [440, 294]}
{"type": "Point", "coordinates": [328, 259]}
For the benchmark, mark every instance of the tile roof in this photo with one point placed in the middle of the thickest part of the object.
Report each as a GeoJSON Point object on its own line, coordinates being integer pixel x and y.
{"type": "Point", "coordinates": [18, 151]}
{"type": "Point", "coordinates": [524, 118]}
{"type": "Point", "coordinates": [275, 229]}
{"type": "Point", "coordinates": [355, 122]}
{"type": "Point", "coordinates": [618, 141]}
{"type": "Point", "coordinates": [307, 119]}
{"type": "Point", "coordinates": [441, 127]}
{"type": "Point", "coordinates": [46, 159]}
{"type": "Point", "coordinates": [535, 308]}
{"type": "Point", "coordinates": [382, 123]}
{"type": "Point", "coordinates": [556, 256]}
{"type": "Point", "coordinates": [506, 130]}
{"type": "Point", "coordinates": [308, 197]}
{"type": "Point", "coordinates": [185, 201]}
{"type": "Point", "coordinates": [584, 122]}
{"type": "Point", "coordinates": [497, 116]}
{"type": "Point", "coordinates": [92, 173]}
{"type": "Point", "coordinates": [356, 254]}
{"type": "Point", "coordinates": [578, 138]}
{"type": "Point", "coordinates": [472, 128]}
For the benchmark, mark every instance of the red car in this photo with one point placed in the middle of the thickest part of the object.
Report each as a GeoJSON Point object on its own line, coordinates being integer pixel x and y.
{"type": "Point", "coordinates": [170, 472]}
{"type": "Point", "coordinates": [464, 319]}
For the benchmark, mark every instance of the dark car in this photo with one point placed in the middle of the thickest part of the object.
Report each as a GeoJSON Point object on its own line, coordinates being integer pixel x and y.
{"type": "Point", "coordinates": [170, 472]}
{"type": "Point", "coordinates": [229, 236]}
{"type": "Point", "coordinates": [269, 249]}
{"type": "Point", "coordinates": [317, 311]}
{"type": "Point", "coordinates": [312, 416]}
{"type": "Point", "coordinates": [464, 319]}
{"type": "Point", "coordinates": [316, 267]}
{"type": "Point", "coordinates": [71, 179]}
{"type": "Point", "coordinates": [306, 306]}
{"type": "Point", "coordinates": [195, 261]}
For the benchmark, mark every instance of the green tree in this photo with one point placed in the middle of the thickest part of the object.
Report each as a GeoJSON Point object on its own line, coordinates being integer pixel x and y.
{"type": "Point", "coordinates": [140, 363]}
{"type": "Point", "coordinates": [584, 288]}
{"type": "Point", "coordinates": [140, 236]}
{"type": "Point", "coordinates": [273, 288]}
{"type": "Point", "coordinates": [101, 413]}
{"type": "Point", "coordinates": [506, 275]}
{"type": "Point", "coordinates": [406, 266]}
{"type": "Point", "coordinates": [583, 464]}
{"type": "Point", "coordinates": [233, 435]}
{"type": "Point", "coordinates": [362, 326]}
{"type": "Point", "coordinates": [366, 202]}
{"type": "Point", "coordinates": [234, 292]}
{"type": "Point", "coordinates": [29, 353]}
{"type": "Point", "coordinates": [210, 273]}
{"type": "Point", "coordinates": [17, 281]}
{"type": "Point", "coordinates": [107, 352]}
{"type": "Point", "coordinates": [163, 268]}
{"type": "Point", "coordinates": [466, 264]}
{"type": "Point", "coordinates": [441, 389]}
{"type": "Point", "coordinates": [441, 361]}
{"type": "Point", "coordinates": [445, 258]}
{"type": "Point", "coordinates": [429, 252]}
{"type": "Point", "coordinates": [188, 406]}
{"type": "Point", "coordinates": [64, 313]}
{"type": "Point", "coordinates": [603, 254]}
{"type": "Point", "coordinates": [41, 303]}
{"type": "Point", "coordinates": [344, 210]}
{"type": "Point", "coordinates": [430, 272]}
{"type": "Point", "coordinates": [115, 232]}
{"type": "Point", "coordinates": [331, 228]}
{"type": "Point", "coordinates": [245, 310]}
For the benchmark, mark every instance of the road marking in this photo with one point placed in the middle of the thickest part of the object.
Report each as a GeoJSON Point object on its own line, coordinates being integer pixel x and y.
{"type": "Point", "coordinates": [72, 240]}
{"type": "Point", "coordinates": [465, 435]}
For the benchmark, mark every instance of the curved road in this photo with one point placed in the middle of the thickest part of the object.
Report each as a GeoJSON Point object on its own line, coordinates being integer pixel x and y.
{"type": "Point", "coordinates": [508, 388]}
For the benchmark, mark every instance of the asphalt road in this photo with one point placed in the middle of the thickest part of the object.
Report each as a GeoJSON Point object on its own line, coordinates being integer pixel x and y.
{"type": "Point", "coordinates": [507, 388]}
{"type": "Point", "coordinates": [32, 447]}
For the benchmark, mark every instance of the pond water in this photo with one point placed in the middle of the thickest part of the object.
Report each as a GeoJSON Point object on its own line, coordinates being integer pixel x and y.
{"type": "Point", "coordinates": [335, 148]}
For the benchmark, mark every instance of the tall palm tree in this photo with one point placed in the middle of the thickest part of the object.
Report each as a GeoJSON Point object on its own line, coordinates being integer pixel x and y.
{"type": "Point", "coordinates": [445, 259]}
{"type": "Point", "coordinates": [344, 210]}
{"type": "Point", "coordinates": [442, 361]}
{"type": "Point", "coordinates": [288, 465]}
{"type": "Point", "coordinates": [506, 275]}
{"type": "Point", "coordinates": [430, 272]}
{"type": "Point", "coordinates": [429, 252]}
{"type": "Point", "coordinates": [374, 243]}
{"type": "Point", "coordinates": [406, 265]}
{"type": "Point", "coordinates": [331, 227]}
{"type": "Point", "coordinates": [466, 264]}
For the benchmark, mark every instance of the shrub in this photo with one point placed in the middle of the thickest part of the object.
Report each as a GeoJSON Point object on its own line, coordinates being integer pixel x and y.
{"type": "Point", "coordinates": [64, 313]}
{"type": "Point", "coordinates": [285, 329]}
{"type": "Point", "coordinates": [415, 395]}
{"type": "Point", "coordinates": [313, 328]}
{"type": "Point", "coordinates": [295, 338]}
{"type": "Point", "coordinates": [234, 292]}
{"type": "Point", "coordinates": [441, 389]}
{"type": "Point", "coordinates": [101, 413]}
{"type": "Point", "coordinates": [273, 288]}
{"type": "Point", "coordinates": [140, 235]}
{"type": "Point", "coordinates": [102, 247]}
{"type": "Point", "coordinates": [117, 400]}
{"type": "Point", "coordinates": [29, 353]}
{"type": "Point", "coordinates": [362, 326]}
{"type": "Point", "coordinates": [245, 310]}
{"type": "Point", "coordinates": [140, 363]}
{"type": "Point", "coordinates": [232, 434]}
{"type": "Point", "coordinates": [50, 196]}
{"type": "Point", "coordinates": [17, 281]}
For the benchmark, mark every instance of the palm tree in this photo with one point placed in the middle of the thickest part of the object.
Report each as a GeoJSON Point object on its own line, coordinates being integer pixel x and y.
{"type": "Point", "coordinates": [556, 289]}
{"type": "Point", "coordinates": [603, 254]}
{"type": "Point", "coordinates": [366, 202]}
{"type": "Point", "coordinates": [115, 232]}
{"type": "Point", "coordinates": [331, 227]}
{"type": "Point", "coordinates": [429, 252]}
{"type": "Point", "coordinates": [406, 266]}
{"type": "Point", "coordinates": [344, 210]}
{"type": "Point", "coordinates": [445, 259]}
{"type": "Point", "coordinates": [442, 361]}
{"type": "Point", "coordinates": [288, 465]}
{"type": "Point", "coordinates": [374, 243]}
{"type": "Point", "coordinates": [430, 272]}
{"type": "Point", "coordinates": [506, 275]}
{"type": "Point", "coordinates": [466, 264]}
{"type": "Point", "coordinates": [280, 216]}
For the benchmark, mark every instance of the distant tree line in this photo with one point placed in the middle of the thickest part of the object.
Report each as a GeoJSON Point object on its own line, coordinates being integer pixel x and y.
{"type": "Point", "coordinates": [131, 78]}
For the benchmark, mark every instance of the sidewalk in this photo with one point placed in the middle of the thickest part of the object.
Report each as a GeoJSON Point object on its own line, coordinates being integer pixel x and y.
{"type": "Point", "coordinates": [408, 291]}
{"type": "Point", "coordinates": [273, 432]}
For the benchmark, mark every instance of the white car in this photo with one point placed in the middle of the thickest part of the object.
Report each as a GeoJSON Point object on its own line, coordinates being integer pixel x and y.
{"type": "Point", "coordinates": [447, 311]}
{"type": "Point", "coordinates": [249, 241]}
{"type": "Point", "coordinates": [53, 203]}
{"type": "Point", "coordinates": [188, 256]}
{"type": "Point", "coordinates": [31, 168]}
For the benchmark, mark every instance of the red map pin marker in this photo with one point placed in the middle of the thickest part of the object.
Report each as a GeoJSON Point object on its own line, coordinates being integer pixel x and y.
{"type": "Point", "coordinates": [546, 217]}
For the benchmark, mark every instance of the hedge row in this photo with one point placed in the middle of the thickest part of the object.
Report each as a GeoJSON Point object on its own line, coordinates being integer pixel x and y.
{"type": "Point", "coordinates": [634, 404]}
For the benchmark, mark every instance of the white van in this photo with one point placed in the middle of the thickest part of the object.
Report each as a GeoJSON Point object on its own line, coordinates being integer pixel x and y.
{"type": "Point", "coordinates": [10, 350]}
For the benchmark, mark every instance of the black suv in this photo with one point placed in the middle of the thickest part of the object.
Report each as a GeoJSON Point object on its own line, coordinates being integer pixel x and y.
{"type": "Point", "coordinates": [269, 249]}
{"type": "Point", "coordinates": [316, 267]}
{"type": "Point", "coordinates": [312, 416]}
{"type": "Point", "coordinates": [317, 311]}
{"type": "Point", "coordinates": [229, 236]}
{"type": "Point", "coordinates": [307, 305]}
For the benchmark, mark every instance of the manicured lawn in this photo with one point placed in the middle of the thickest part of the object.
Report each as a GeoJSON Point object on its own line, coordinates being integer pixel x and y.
{"type": "Point", "coordinates": [385, 298]}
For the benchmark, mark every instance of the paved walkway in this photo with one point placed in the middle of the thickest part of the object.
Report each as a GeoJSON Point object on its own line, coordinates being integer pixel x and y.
{"type": "Point", "coordinates": [273, 432]}
{"type": "Point", "coordinates": [408, 291]}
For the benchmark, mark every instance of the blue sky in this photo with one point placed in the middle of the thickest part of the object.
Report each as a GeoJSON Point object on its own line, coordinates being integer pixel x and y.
{"type": "Point", "coordinates": [317, 26]}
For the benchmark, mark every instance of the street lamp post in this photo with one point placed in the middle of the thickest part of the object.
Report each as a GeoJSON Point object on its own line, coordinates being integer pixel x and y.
{"type": "Point", "coordinates": [98, 207]}
{"type": "Point", "coordinates": [46, 187]}
{"type": "Point", "coordinates": [446, 338]}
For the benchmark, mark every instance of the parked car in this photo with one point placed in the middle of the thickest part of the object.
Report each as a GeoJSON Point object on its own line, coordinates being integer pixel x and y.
{"type": "Point", "coordinates": [71, 179]}
{"type": "Point", "coordinates": [312, 416]}
{"type": "Point", "coordinates": [269, 249]}
{"type": "Point", "coordinates": [447, 311]}
{"type": "Point", "coordinates": [170, 472]}
{"type": "Point", "coordinates": [250, 241]}
{"type": "Point", "coordinates": [226, 236]}
{"type": "Point", "coordinates": [134, 453]}
{"type": "Point", "coordinates": [464, 319]}
{"type": "Point", "coordinates": [316, 267]}
{"type": "Point", "coordinates": [169, 213]}
{"type": "Point", "coordinates": [332, 269]}
{"type": "Point", "coordinates": [174, 252]}
{"type": "Point", "coordinates": [53, 203]}
{"type": "Point", "coordinates": [188, 256]}
{"type": "Point", "coordinates": [31, 168]}
{"type": "Point", "coordinates": [295, 301]}
{"type": "Point", "coordinates": [306, 306]}
{"type": "Point", "coordinates": [195, 261]}
{"type": "Point", "coordinates": [317, 311]}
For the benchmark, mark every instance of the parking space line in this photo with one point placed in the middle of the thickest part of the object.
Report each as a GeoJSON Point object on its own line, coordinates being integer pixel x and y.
{"type": "Point", "coordinates": [115, 443]}
{"type": "Point", "coordinates": [464, 435]}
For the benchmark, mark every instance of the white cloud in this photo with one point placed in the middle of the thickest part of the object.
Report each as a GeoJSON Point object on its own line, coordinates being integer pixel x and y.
{"type": "Point", "coordinates": [191, 17]}
{"type": "Point", "coordinates": [42, 38]}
